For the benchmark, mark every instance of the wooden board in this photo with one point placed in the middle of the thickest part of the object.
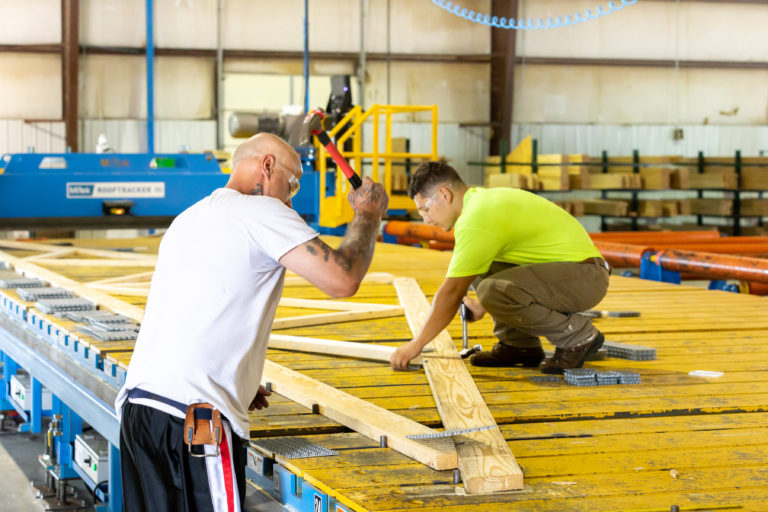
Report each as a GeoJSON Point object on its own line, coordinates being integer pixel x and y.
{"type": "Point", "coordinates": [486, 462]}
{"type": "Point", "coordinates": [380, 353]}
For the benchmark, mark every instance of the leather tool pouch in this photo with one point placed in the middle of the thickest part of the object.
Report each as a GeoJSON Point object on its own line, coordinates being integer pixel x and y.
{"type": "Point", "coordinates": [202, 426]}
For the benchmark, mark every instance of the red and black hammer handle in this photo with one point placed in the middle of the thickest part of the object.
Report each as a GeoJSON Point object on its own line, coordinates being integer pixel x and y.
{"type": "Point", "coordinates": [330, 147]}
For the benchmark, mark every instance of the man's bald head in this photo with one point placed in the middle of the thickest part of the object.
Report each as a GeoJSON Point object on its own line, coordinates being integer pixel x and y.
{"type": "Point", "coordinates": [260, 144]}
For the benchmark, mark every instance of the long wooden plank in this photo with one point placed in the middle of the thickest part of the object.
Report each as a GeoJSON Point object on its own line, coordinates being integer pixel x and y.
{"type": "Point", "coordinates": [140, 278]}
{"type": "Point", "coordinates": [370, 420]}
{"type": "Point", "coordinates": [335, 305]}
{"type": "Point", "coordinates": [334, 347]}
{"type": "Point", "coordinates": [116, 305]}
{"type": "Point", "coordinates": [486, 462]}
{"type": "Point", "coordinates": [341, 316]}
{"type": "Point", "coordinates": [96, 262]}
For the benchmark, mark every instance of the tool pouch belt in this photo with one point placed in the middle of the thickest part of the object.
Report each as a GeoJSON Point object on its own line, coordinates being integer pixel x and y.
{"type": "Point", "coordinates": [202, 426]}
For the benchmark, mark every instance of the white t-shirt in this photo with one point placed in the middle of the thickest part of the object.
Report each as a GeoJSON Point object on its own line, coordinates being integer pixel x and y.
{"type": "Point", "coordinates": [212, 301]}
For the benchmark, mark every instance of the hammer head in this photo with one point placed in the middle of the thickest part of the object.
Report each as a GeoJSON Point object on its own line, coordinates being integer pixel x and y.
{"type": "Point", "coordinates": [313, 124]}
{"type": "Point", "coordinates": [465, 353]}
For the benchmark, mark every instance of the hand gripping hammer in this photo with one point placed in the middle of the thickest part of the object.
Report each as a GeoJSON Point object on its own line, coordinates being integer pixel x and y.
{"type": "Point", "coordinates": [313, 125]}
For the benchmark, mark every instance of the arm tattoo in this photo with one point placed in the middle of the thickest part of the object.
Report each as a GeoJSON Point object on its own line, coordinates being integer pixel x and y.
{"type": "Point", "coordinates": [316, 245]}
{"type": "Point", "coordinates": [258, 190]}
{"type": "Point", "coordinates": [356, 250]}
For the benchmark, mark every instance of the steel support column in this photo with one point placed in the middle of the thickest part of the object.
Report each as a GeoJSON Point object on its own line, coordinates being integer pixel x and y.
{"type": "Point", "coordinates": [70, 35]}
{"type": "Point", "coordinates": [502, 76]}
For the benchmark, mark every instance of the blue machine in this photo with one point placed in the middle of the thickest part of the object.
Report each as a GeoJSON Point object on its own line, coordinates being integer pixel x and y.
{"type": "Point", "coordinates": [102, 190]}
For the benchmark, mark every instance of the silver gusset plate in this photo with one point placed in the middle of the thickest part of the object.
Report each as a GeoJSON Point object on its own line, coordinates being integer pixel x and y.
{"type": "Point", "coordinates": [450, 432]}
{"type": "Point", "coordinates": [293, 447]}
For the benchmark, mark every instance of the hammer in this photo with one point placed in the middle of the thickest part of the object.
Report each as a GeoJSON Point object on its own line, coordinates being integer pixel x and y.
{"type": "Point", "coordinates": [313, 125]}
{"type": "Point", "coordinates": [465, 351]}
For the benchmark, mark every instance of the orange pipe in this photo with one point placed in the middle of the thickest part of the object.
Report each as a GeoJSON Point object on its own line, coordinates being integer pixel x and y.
{"type": "Point", "coordinates": [440, 246]}
{"type": "Point", "coordinates": [758, 288]}
{"type": "Point", "coordinates": [404, 240]}
{"type": "Point", "coordinates": [730, 248]}
{"type": "Point", "coordinates": [714, 266]}
{"type": "Point", "coordinates": [654, 236]}
{"type": "Point", "coordinates": [416, 230]}
{"type": "Point", "coordinates": [622, 255]}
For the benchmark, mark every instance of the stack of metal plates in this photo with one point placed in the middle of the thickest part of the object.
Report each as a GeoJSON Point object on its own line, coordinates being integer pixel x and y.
{"type": "Point", "coordinates": [580, 377]}
{"type": "Point", "coordinates": [102, 317]}
{"type": "Point", "coordinates": [53, 306]}
{"type": "Point", "coordinates": [33, 294]}
{"type": "Point", "coordinates": [545, 378]}
{"type": "Point", "coordinates": [630, 352]}
{"type": "Point", "coordinates": [108, 335]}
{"type": "Point", "coordinates": [21, 282]}
{"type": "Point", "coordinates": [629, 378]}
{"type": "Point", "coordinates": [607, 378]}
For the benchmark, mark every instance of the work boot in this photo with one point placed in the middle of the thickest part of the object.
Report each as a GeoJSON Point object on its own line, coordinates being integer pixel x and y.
{"type": "Point", "coordinates": [505, 355]}
{"type": "Point", "coordinates": [574, 357]}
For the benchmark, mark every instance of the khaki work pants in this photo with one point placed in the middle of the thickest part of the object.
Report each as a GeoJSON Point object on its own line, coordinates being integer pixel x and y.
{"type": "Point", "coordinates": [542, 299]}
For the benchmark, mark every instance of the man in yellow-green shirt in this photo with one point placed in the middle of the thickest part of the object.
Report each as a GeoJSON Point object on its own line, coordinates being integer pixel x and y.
{"type": "Point", "coordinates": [532, 264]}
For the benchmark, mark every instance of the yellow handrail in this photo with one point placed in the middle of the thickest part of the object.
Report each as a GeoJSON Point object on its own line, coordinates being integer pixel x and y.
{"type": "Point", "coordinates": [335, 209]}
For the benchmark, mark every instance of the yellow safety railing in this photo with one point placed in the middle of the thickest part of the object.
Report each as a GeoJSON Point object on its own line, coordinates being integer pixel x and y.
{"type": "Point", "coordinates": [335, 209]}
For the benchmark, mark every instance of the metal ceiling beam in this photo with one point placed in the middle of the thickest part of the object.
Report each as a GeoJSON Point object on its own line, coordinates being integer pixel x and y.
{"type": "Point", "coordinates": [502, 76]}
{"type": "Point", "coordinates": [70, 33]}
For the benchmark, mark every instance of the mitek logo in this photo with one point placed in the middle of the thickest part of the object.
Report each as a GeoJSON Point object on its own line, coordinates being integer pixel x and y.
{"type": "Point", "coordinates": [79, 190]}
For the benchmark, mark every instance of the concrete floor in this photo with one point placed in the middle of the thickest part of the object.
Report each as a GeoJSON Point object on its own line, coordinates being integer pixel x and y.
{"type": "Point", "coordinates": [20, 469]}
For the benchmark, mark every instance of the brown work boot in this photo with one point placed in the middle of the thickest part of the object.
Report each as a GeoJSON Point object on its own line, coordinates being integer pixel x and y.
{"type": "Point", "coordinates": [573, 357]}
{"type": "Point", "coordinates": [505, 355]}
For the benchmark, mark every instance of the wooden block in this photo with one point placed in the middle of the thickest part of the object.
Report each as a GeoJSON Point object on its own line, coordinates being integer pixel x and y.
{"type": "Point", "coordinates": [683, 207]}
{"type": "Point", "coordinates": [576, 208]}
{"type": "Point", "coordinates": [612, 181]}
{"type": "Point", "coordinates": [714, 180]}
{"type": "Point", "coordinates": [361, 416]}
{"type": "Point", "coordinates": [711, 206]}
{"type": "Point", "coordinates": [656, 178]}
{"type": "Point", "coordinates": [579, 181]}
{"type": "Point", "coordinates": [650, 208]}
{"type": "Point", "coordinates": [758, 207]}
{"type": "Point", "coordinates": [486, 462]}
{"type": "Point", "coordinates": [754, 178]}
{"type": "Point", "coordinates": [553, 178]}
{"type": "Point", "coordinates": [513, 180]}
{"type": "Point", "coordinates": [606, 207]}
{"type": "Point", "coordinates": [680, 178]}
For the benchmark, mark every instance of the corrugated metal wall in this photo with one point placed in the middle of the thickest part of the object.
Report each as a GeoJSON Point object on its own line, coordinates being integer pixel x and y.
{"type": "Point", "coordinates": [17, 136]}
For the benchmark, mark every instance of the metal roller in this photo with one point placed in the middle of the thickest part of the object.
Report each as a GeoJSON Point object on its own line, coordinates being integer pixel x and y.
{"type": "Point", "coordinates": [246, 124]}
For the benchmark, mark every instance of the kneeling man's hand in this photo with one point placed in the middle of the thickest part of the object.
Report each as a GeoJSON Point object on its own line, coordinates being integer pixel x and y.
{"type": "Point", "coordinates": [403, 355]}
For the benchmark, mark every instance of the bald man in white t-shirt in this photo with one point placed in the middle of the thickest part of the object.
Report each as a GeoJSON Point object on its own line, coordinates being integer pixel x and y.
{"type": "Point", "coordinates": [203, 339]}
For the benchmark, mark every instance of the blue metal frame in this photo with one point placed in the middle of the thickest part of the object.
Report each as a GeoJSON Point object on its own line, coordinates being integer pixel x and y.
{"type": "Point", "coordinates": [80, 189]}
{"type": "Point", "coordinates": [654, 271]}
{"type": "Point", "coordinates": [55, 369]}
{"type": "Point", "coordinates": [288, 488]}
{"type": "Point", "coordinates": [150, 77]}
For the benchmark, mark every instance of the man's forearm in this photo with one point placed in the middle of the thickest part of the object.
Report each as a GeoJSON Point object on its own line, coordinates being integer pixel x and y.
{"type": "Point", "coordinates": [355, 253]}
